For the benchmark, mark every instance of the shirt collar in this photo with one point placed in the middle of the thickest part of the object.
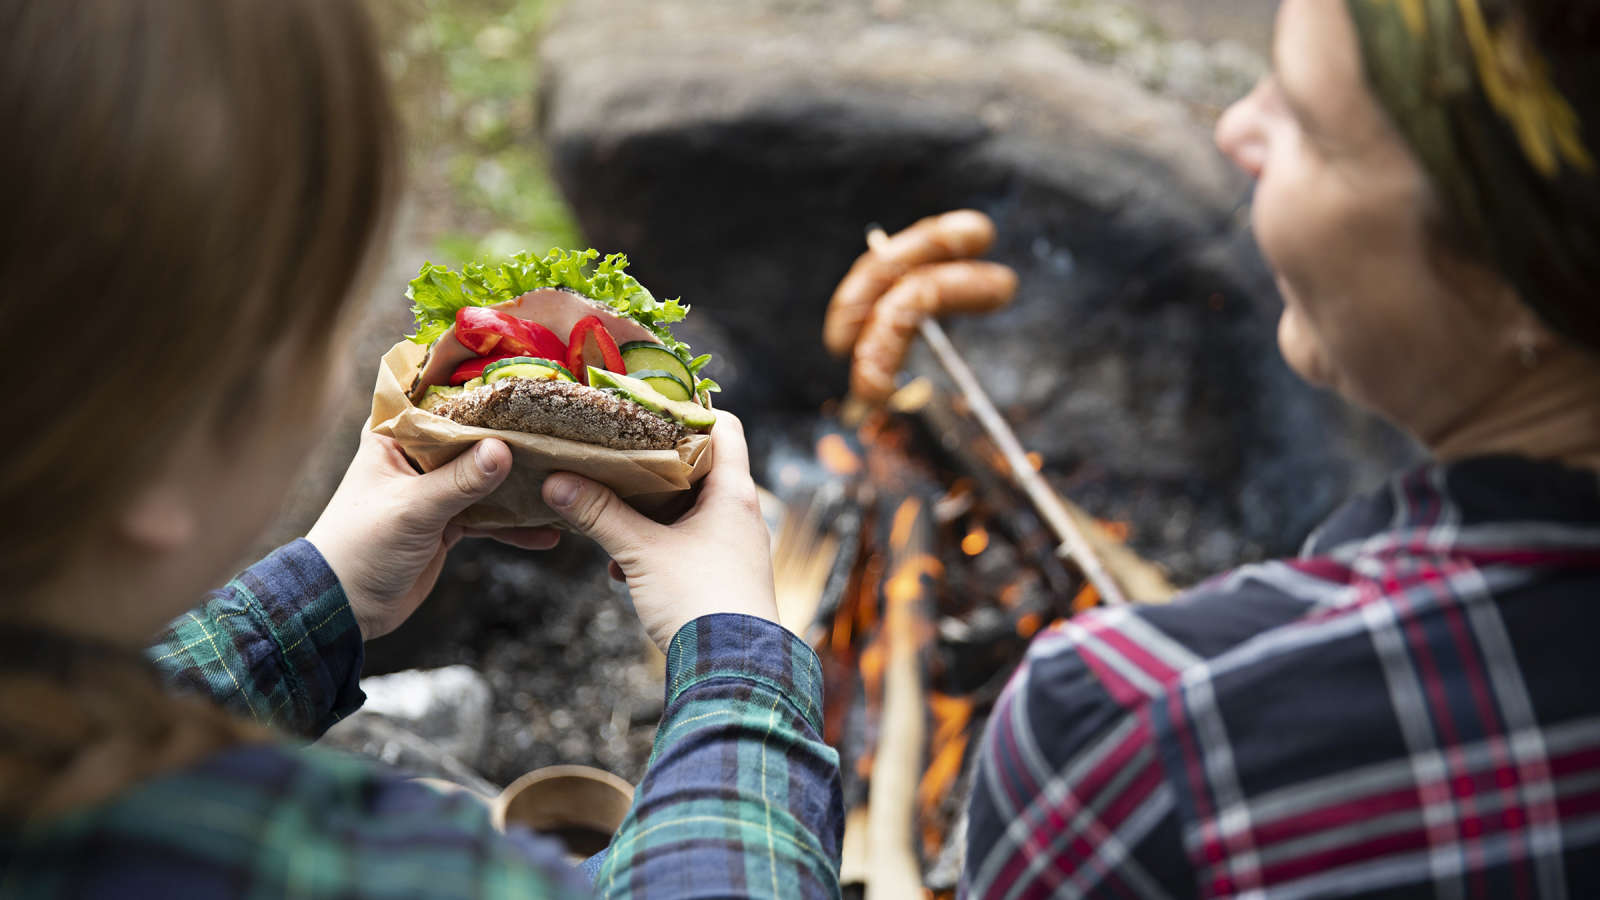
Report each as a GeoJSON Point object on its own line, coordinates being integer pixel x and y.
{"type": "Point", "coordinates": [1436, 503]}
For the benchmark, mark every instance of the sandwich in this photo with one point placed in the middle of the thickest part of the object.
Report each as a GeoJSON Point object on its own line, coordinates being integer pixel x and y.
{"type": "Point", "coordinates": [557, 346]}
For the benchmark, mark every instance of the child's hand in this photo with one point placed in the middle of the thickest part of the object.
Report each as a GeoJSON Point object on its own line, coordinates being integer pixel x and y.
{"type": "Point", "coordinates": [716, 559]}
{"type": "Point", "coordinates": [387, 529]}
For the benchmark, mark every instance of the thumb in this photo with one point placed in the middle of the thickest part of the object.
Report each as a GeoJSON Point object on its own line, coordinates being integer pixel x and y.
{"type": "Point", "coordinates": [463, 481]}
{"type": "Point", "coordinates": [595, 511]}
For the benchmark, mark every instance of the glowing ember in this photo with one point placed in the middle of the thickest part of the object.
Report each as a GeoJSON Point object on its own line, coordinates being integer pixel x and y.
{"type": "Point", "coordinates": [1011, 595]}
{"type": "Point", "coordinates": [976, 541]}
{"type": "Point", "coordinates": [1118, 531]}
{"type": "Point", "coordinates": [1088, 598]}
{"type": "Point", "coordinates": [1037, 461]}
{"type": "Point", "coordinates": [1029, 624]}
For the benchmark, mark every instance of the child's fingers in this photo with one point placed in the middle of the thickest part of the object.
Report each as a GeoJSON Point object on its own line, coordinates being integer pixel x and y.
{"type": "Point", "coordinates": [595, 510]}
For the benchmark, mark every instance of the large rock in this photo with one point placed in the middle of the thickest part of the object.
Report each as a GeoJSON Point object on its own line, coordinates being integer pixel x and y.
{"type": "Point", "coordinates": [432, 722]}
{"type": "Point", "coordinates": [737, 151]}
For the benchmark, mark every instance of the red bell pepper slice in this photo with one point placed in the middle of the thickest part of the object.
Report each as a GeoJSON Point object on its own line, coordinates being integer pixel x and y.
{"type": "Point", "coordinates": [592, 345]}
{"type": "Point", "coordinates": [546, 344]}
{"type": "Point", "coordinates": [473, 368]}
{"type": "Point", "coordinates": [489, 331]}
{"type": "Point", "coordinates": [483, 330]}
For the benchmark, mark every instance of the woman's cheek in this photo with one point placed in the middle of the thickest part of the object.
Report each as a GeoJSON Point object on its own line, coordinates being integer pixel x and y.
{"type": "Point", "coordinates": [1301, 349]}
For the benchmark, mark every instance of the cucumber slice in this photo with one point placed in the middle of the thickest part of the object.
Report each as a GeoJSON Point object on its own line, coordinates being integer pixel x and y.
{"type": "Point", "coordinates": [511, 361]}
{"type": "Point", "coordinates": [665, 383]}
{"type": "Point", "coordinates": [644, 356]}
{"type": "Point", "coordinates": [691, 414]}
{"type": "Point", "coordinates": [526, 361]}
{"type": "Point", "coordinates": [526, 367]}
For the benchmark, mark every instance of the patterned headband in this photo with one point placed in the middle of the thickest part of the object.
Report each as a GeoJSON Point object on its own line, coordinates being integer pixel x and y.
{"type": "Point", "coordinates": [1500, 126]}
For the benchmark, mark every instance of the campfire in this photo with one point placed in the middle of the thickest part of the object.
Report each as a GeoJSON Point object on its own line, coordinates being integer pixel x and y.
{"type": "Point", "coordinates": [919, 571]}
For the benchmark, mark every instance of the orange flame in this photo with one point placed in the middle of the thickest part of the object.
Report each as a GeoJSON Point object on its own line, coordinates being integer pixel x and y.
{"type": "Point", "coordinates": [1088, 598]}
{"type": "Point", "coordinates": [1037, 461]}
{"type": "Point", "coordinates": [905, 518]}
{"type": "Point", "coordinates": [836, 455]}
{"type": "Point", "coordinates": [867, 601]}
{"type": "Point", "coordinates": [948, 748]}
{"type": "Point", "coordinates": [871, 666]}
{"type": "Point", "coordinates": [839, 643]}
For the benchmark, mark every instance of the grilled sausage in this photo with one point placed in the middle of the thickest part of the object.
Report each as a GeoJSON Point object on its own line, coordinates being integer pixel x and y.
{"type": "Point", "coordinates": [951, 236]}
{"type": "Point", "coordinates": [887, 336]}
{"type": "Point", "coordinates": [931, 290]}
{"type": "Point", "coordinates": [969, 286]}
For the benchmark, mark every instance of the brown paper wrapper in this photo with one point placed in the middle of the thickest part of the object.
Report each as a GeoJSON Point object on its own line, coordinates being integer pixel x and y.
{"type": "Point", "coordinates": [653, 481]}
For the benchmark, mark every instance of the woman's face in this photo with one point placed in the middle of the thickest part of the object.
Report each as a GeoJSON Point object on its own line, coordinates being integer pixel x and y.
{"type": "Point", "coordinates": [1339, 214]}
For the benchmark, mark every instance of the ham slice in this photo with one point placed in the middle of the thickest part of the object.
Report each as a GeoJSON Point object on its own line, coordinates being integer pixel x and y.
{"type": "Point", "coordinates": [554, 308]}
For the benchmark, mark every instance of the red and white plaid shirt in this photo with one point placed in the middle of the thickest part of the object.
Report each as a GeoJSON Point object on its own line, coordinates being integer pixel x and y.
{"type": "Point", "coordinates": [1411, 708]}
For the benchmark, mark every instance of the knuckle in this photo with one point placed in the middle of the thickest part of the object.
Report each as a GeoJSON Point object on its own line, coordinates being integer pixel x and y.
{"type": "Point", "coordinates": [464, 479]}
{"type": "Point", "coordinates": [590, 509]}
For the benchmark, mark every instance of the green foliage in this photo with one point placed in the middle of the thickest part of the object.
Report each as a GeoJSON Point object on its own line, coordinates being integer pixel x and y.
{"type": "Point", "coordinates": [466, 73]}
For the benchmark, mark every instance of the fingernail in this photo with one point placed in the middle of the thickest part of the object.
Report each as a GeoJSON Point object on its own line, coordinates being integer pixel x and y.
{"type": "Point", "coordinates": [563, 490]}
{"type": "Point", "coordinates": [487, 464]}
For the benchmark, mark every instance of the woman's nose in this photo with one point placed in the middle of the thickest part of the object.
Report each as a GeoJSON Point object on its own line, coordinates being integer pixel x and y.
{"type": "Point", "coordinates": [1240, 136]}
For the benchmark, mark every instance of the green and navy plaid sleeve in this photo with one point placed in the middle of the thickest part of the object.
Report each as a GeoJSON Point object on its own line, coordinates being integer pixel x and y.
{"type": "Point", "coordinates": [741, 800]}
{"type": "Point", "coordinates": [271, 820]}
{"type": "Point", "coordinates": [278, 645]}
{"type": "Point", "coordinates": [742, 796]}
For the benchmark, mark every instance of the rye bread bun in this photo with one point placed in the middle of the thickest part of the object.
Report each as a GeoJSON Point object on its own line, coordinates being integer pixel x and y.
{"type": "Point", "coordinates": [565, 410]}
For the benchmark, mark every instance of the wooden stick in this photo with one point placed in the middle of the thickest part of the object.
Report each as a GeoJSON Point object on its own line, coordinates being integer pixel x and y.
{"type": "Point", "coordinates": [894, 871]}
{"type": "Point", "coordinates": [854, 862]}
{"type": "Point", "coordinates": [802, 559]}
{"type": "Point", "coordinates": [1074, 545]}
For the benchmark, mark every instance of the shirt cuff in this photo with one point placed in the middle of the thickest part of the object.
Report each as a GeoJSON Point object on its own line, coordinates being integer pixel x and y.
{"type": "Point", "coordinates": [729, 645]}
{"type": "Point", "coordinates": [296, 597]}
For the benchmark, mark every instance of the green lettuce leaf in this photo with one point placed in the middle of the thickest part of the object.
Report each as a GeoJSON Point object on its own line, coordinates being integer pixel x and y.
{"type": "Point", "coordinates": [437, 293]}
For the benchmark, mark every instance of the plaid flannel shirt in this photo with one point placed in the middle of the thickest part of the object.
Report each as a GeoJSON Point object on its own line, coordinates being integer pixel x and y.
{"type": "Point", "coordinates": [1407, 709]}
{"type": "Point", "coordinates": [741, 797]}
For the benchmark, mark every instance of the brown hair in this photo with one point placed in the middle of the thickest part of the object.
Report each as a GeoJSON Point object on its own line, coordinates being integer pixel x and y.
{"type": "Point", "coordinates": [188, 184]}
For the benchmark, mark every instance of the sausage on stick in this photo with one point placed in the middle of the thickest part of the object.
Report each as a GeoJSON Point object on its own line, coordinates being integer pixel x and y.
{"type": "Point", "coordinates": [952, 236]}
{"type": "Point", "coordinates": [929, 290]}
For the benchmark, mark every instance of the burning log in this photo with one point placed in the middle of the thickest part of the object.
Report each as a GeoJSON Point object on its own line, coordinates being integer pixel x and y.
{"type": "Point", "coordinates": [921, 571]}
{"type": "Point", "coordinates": [951, 423]}
{"type": "Point", "coordinates": [966, 449]}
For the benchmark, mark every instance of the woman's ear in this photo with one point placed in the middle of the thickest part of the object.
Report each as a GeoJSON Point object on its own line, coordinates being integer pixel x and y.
{"type": "Point", "coordinates": [1526, 337]}
{"type": "Point", "coordinates": [159, 519]}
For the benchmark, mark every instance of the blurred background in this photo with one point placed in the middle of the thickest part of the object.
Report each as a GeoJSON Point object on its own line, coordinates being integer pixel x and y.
{"type": "Point", "coordinates": [736, 151]}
